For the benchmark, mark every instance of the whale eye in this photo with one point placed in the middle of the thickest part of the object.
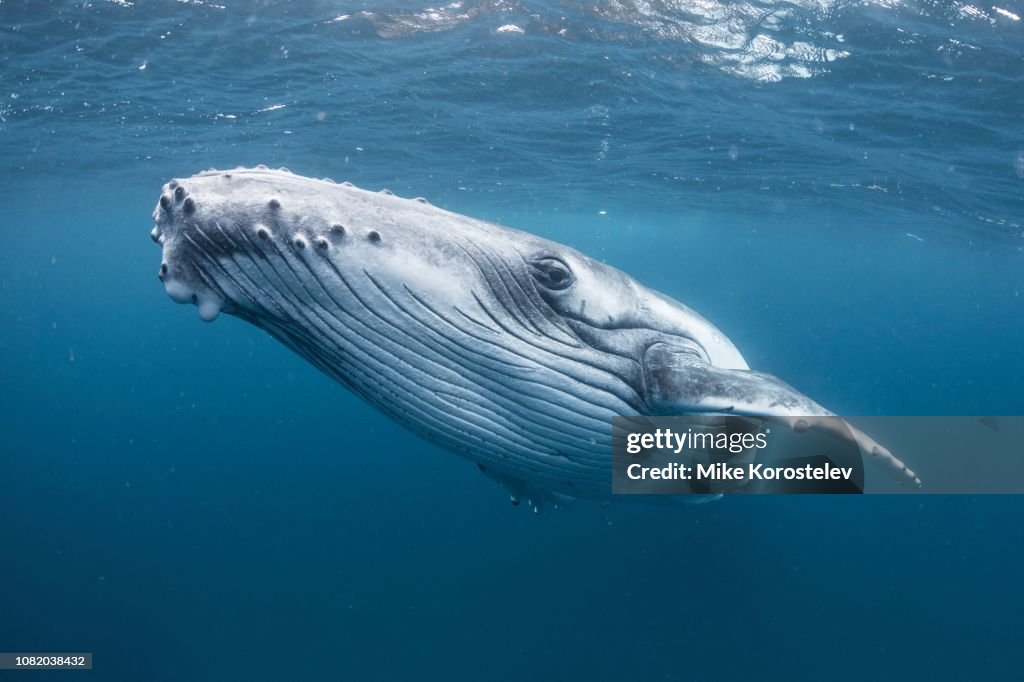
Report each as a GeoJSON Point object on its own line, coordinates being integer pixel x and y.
{"type": "Point", "coordinates": [551, 273]}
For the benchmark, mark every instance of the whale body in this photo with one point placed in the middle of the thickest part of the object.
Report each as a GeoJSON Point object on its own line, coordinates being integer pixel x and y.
{"type": "Point", "coordinates": [509, 349]}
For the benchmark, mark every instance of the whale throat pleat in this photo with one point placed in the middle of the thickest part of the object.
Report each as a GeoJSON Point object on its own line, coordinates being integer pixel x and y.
{"type": "Point", "coordinates": [429, 368]}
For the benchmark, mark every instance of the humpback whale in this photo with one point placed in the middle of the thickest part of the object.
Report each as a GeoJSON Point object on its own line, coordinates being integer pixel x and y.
{"type": "Point", "coordinates": [501, 346]}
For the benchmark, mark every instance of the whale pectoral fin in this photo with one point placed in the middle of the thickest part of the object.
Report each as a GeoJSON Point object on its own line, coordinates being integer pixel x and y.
{"type": "Point", "coordinates": [519, 491]}
{"type": "Point", "coordinates": [678, 381]}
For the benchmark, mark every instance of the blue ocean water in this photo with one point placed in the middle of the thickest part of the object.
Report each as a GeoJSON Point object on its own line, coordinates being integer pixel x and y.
{"type": "Point", "coordinates": [839, 186]}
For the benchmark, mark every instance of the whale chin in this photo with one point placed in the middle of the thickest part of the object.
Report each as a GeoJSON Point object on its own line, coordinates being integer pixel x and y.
{"type": "Point", "coordinates": [219, 231]}
{"type": "Point", "coordinates": [182, 235]}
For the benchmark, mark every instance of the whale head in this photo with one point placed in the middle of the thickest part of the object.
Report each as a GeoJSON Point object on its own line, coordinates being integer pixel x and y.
{"type": "Point", "coordinates": [277, 248]}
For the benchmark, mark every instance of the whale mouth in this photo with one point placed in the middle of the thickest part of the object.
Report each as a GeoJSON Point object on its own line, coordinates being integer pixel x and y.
{"type": "Point", "coordinates": [262, 244]}
{"type": "Point", "coordinates": [177, 228]}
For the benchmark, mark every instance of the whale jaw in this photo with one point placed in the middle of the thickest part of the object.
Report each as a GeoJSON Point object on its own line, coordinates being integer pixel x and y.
{"type": "Point", "coordinates": [210, 222]}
